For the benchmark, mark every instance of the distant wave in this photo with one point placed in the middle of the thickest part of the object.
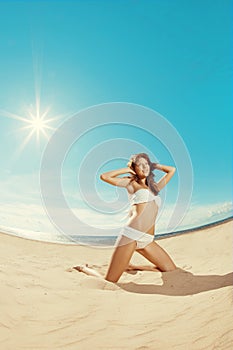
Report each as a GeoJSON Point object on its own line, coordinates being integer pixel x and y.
{"type": "Point", "coordinates": [98, 241]}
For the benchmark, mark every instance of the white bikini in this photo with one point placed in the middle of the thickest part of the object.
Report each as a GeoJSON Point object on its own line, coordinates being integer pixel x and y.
{"type": "Point", "coordinates": [142, 239]}
{"type": "Point", "coordinates": [143, 195]}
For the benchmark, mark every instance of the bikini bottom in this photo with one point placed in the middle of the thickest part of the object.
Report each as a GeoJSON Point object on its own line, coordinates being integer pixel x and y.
{"type": "Point", "coordinates": [142, 239]}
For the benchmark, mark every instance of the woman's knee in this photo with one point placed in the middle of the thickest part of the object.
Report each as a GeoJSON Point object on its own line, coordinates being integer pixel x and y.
{"type": "Point", "coordinates": [119, 262]}
{"type": "Point", "coordinates": [111, 279]}
{"type": "Point", "coordinates": [113, 275]}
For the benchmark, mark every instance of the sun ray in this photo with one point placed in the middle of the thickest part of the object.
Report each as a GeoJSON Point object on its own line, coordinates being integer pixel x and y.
{"type": "Point", "coordinates": [44, 132]}
{"type": "Point", "coordinates": [45, 113]}
{"type": "Point", "coordinates": [13, 116]}
{"type": "Point", "coordinates": [22, 146]}
{"type": "Point", "coordinates": [37, 124]}
{"type": "Point", "coordinates": [35, 120]}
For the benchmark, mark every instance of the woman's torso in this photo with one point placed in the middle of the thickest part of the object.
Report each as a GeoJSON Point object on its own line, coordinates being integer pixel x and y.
{"type": "Point", "coordinates": [142, 215]}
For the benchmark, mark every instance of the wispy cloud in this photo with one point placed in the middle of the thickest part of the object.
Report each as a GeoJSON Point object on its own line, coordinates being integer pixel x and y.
{"type": "Point", "coordinates": [197, 215]}
{"type": "Point", "coordinates": [22, 188]}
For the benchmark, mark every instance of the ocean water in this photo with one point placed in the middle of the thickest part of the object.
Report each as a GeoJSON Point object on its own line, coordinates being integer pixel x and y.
{"type": "Point", "coordinates": [94, 241]}
{"type": "Point", "coordinates": [29, 220]}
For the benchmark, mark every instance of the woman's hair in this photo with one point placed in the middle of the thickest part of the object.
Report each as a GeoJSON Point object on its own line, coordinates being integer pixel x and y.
{"type": "Point", "coordinates": [150, 178]}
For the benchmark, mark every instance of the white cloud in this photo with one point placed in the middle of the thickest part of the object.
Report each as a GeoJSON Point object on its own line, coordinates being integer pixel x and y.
{"type": "Point", "coordinates": [23, 187]}
{"type": "Point", "coordinates": [198, 215]}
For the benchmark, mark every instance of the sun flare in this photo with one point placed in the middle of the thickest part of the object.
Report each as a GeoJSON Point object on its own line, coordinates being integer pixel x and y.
{"type": "Point", "coordinates": [35, 123]}
{"type": "Point", "coordinates": [38, 124]}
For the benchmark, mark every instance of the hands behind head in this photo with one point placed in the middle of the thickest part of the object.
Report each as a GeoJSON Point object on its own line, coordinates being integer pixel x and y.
{"type": "Point", "coordinates": [131, 171]}
{"type": "Point", "coordinates": [156, 166]}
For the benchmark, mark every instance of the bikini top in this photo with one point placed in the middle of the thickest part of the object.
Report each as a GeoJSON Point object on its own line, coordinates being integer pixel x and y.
{"type": "Point", "coordinates": [143, 195]}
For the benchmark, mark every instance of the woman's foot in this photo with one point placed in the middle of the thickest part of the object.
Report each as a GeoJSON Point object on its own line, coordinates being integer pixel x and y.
{"type": "Point", "coordinates": [87, 270]}
{"type": "Point", "coordinates": [132, 267]}
{"type": "Point", "coordinates": [80, 267]}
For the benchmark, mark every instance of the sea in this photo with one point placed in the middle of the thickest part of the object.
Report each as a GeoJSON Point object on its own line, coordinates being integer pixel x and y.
{"type": "Point", "coordinates": [95, 241]}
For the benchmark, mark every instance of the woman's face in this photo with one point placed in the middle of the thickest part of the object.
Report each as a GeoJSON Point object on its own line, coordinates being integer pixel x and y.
{"type": "Point", "coordinates": [142, 167]}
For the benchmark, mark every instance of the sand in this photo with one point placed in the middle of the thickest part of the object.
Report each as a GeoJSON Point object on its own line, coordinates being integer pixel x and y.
{"type": "Point", "coordinates": [47, 305]}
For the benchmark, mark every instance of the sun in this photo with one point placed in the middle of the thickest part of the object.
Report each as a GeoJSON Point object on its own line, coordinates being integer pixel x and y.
{"type": "Point", "coordinates": [35, 123]}
{"type": "Point", "coordinates": [38, 124]}
{"type": "Point", "coordinates": [35, 118]}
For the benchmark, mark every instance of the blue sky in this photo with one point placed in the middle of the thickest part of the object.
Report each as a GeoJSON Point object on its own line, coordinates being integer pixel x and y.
{"type": "Point", "coordinates": [173, 57]}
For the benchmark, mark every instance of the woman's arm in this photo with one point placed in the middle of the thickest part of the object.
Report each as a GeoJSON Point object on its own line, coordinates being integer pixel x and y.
{"type": "Point", "coordinates": [170, 170]}
{"type": "Point", "coordinates": [111, 177]}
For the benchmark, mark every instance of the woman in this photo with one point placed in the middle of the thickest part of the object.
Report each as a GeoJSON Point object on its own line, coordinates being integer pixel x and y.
{"type": "Point", "coordinates": [138, 234]}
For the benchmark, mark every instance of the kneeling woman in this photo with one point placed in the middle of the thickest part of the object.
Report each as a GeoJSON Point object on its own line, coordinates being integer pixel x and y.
{"type": "Point", "coordinates": [138, 234]}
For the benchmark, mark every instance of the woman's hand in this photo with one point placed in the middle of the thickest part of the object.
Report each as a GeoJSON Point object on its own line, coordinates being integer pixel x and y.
{"type": "Point", "coordinates": [130, 170]}
{"type": "Point", "coordinates": [157, 166]}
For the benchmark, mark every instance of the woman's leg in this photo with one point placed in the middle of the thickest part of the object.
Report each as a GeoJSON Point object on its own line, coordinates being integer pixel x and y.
{"type": "Point", "coordinates": [87, 270]}
{"type": "Point", "coordinates": [120, 259]}
{"type": "Point", "coordinates": [133, 267]}
{"type": "Point", "coordinates": [158, 256]}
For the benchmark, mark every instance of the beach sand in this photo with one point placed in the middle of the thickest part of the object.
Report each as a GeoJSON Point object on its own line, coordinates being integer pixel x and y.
{"type": "Point", "coordinates": [47, 305]}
